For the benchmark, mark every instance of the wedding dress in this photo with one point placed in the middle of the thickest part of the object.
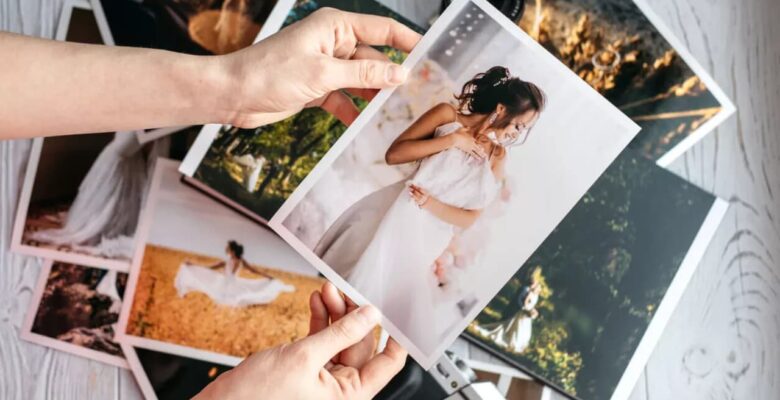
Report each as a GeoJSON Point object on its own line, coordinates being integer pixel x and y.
{"type": "Point", "coordinates": [250, 169]}
{"type": "Point", "coordinates": [226, 287]}
{"type": "Point", "coordinates": [385, 246]}
{"type": "Point", "coordinates": [103, 217]}
{"type": "Point", "coordinates": [513, 335]}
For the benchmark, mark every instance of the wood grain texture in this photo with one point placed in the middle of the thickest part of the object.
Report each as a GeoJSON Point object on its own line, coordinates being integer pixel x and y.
{"type": "Point", "coordinates": [723, 341]}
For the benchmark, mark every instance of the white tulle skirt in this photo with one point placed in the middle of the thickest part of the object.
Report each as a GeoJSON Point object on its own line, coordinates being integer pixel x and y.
{"type": "Point", "coordinates": [103, 217]}
{"type": "Point", "coordinates": [227, 289]}
{"type": "Point", "coordinates": [513, 335]}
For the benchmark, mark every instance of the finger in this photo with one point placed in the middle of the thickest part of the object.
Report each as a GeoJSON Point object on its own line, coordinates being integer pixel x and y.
{"type": "Point", "coordinates": [362, 74]}
{"type": "Point", "coordinates": [384, 366]}
{"type": "Point", "coordinates": [351, 305]}
{"type": "Point", "coordinates": [333, 301]}
{"type": "Point", "coordinates": [364, 52]}
{"type": "Point", "coordinates": [347, 331]}
{"type": "Point", "coordinates": [341, 106]}
{"type": "Point", "coordinates": [381, 31]}
{"type": "Point", "coordinates": [319, 314]}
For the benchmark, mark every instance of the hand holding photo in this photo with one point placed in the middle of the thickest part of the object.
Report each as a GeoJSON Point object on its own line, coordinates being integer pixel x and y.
{"type": "Point", "coordinates": [443, 187]}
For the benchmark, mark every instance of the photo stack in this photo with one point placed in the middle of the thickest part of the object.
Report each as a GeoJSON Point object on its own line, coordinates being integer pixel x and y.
{"type": "Point", "coordinates": [512, 192]}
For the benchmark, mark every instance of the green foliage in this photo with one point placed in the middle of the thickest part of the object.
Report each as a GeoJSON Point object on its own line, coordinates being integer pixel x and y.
{"type": "Point", "coordinates": [547, 351]}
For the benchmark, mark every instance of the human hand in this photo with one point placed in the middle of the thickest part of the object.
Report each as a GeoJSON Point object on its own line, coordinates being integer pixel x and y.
{"type": "Point", "coordinates": [307, 63]}
{"type": "Point", "coordinates": [464, 140]}
{"type": "Point", "coordinates": [304, 370]}
{"type": "Point", "coordinates": [327, 307]}
{"type": "Point", "coordinates": [419, 195]}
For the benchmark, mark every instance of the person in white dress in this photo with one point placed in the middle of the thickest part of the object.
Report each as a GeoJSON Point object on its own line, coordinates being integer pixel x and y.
{"type": "Point", "coordinates": [103, 217]}
{"type": "Point", "coordinates": [250, 170]}
{"type": "Point", "coordinates": [227, 287]}
{"type": "Point", "coordinates": [386, 244]}
{"type": "Point", "coordinates": [514, 334]}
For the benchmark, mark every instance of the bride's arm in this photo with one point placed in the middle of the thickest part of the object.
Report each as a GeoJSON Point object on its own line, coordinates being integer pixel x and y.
{"type": "Point", "coordinates": [216, 265]}
{"type": "Point", "coordinates": [417, 141]}
{"type": "Point", "coordinates": [452, 215]}
{"type": "Point", "coordinates": [254, 270]}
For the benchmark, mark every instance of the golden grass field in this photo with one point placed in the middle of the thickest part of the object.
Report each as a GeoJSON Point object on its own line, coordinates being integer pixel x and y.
{"type": "Point", "coordinates": [195, 321]}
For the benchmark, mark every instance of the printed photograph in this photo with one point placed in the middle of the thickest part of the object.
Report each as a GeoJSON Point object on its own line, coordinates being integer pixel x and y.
{"type": "Point", "coordinates": [575, 312]}
{"type": "Point", "coordinates": [82, 197]}
{"type": "Point", "coordinates": [256, 170]}
{"type": "Point", "coordinates": [163, 376]}
{"type": "Point", "coordinates": [617, 49]}
{"type": "Point", "coordinates": [202, 27]}
{"type": "Point", "coordinates": [208, 279]}
{"type": "Point", "coordinates": [419, 213]}
{"type": "Point", "coordinates": [75, 309]}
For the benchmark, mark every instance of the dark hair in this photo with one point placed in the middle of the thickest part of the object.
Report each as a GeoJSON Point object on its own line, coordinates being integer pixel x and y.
{"type": "Point", "coordinates": [236, 248]}
{"type": "Point", "coordinates": [483, 93]}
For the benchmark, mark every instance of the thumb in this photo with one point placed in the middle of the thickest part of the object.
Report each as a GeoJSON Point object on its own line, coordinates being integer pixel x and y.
{"type": "Point", "coordinates": [364, 74]}
{"type": "Point", "coordinates": [345, 332]}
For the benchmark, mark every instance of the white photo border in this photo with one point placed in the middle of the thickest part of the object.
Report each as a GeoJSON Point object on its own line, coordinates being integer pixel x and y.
{"type": "Point", "coordinates": [322, 167]}
{"type": "Point", "coordinates": [26, 333]}
{"type": "Point", "coordinates": [727, 106]}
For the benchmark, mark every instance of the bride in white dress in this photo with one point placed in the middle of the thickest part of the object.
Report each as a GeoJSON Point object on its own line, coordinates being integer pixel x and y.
{"type": "Point", "coordinates": [514, 335]}
{"type": "Point", "coordinates": [385, 245]}
{"type": "Point", "coordinates": [227, 287]}
{"type": "Point", "coordinates": [103, 217]}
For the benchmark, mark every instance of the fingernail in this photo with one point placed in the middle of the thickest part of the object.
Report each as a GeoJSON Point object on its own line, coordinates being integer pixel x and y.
{"type": "Point", "coordinates": [395, 74]}
{"type": "Point", "coordinates": [370, 313]}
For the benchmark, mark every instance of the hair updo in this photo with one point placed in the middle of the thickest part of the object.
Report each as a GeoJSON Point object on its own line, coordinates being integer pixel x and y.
{"type": "Point", "coordinates": [483, 93]}
{"type": "Point", "coordinates": [236, 248]}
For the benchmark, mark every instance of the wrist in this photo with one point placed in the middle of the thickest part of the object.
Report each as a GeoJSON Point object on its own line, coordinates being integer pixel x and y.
{"type": "Point", "coordinates": [219, 100]}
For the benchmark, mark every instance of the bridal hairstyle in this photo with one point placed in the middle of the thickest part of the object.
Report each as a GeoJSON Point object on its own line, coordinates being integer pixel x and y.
{"type": "Point", "coordinates": [483, 93]}
{"type": "Point", "coordinates": [236, 248]}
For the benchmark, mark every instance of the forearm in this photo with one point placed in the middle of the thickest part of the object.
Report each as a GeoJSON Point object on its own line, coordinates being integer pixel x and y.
{"type": "Point", "coordinates": [412, 150]}
{"type": "Point", "coordinates": [62, 87]}
{"type": "Point", "coordinates": [450, 214]}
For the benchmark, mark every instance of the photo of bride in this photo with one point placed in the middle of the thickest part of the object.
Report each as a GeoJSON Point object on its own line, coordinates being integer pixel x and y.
{"type": "Point", "coordinates": [443, 187]}
{"type": "Point", "coordinates": [207, 283]}
{"type": "Point", "coordinates": [82, 197]}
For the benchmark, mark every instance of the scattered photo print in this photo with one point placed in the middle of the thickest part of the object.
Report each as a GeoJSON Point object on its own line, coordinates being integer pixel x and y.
{"type": "Point", "coordinates": [208, 281]}
{"type": "Point", "coordinates": [615, 47]}
{"type": "Point", "coordinates": [575, 312]}
{"type": "Point", "coordinates": [201, 27]}
{"type": "Point", "coordinates": [75, 309]}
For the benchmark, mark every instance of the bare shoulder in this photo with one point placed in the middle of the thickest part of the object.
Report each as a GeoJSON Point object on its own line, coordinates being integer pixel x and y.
{"type": "Point", "coordinates": [443, 112]}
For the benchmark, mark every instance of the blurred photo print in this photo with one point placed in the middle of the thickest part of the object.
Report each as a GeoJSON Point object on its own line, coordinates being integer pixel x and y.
{"type": "Point", "coordinates": [625, 52]}
{"type": "Point", "coordinates": [75, 309]}
{"type": "Point", "coordinates": [207, 283]}
{"type": "Point", "coordinates": [202, 27]}
{"type": "Point", "coordinates": [443, 187]}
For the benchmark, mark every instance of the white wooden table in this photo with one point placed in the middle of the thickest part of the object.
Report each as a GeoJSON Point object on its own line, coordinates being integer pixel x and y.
{"type": "Point", "coordinates": [723, 341]}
